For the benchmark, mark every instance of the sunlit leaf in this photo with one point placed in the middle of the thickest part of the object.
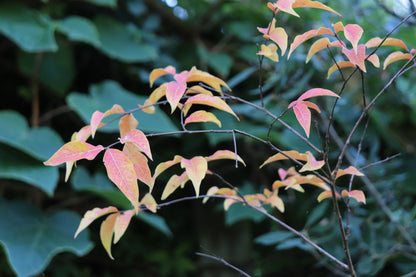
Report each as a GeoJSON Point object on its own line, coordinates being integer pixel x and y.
{"type": "Point", "coordinates": [127, 123]}
{"type": "Point", "coordinates": [202, 116]}
{"type": "Point", "coordinates": [174, 182]}
{"type": "Point", "coordinates": [196, 169]}
{"type": "Point", "coordinates": [349, 170]}
{"type": "Point", "coordinates": [139, 139]}
{"type": "Point", "coordinates": [97, 116]}
{"type": "Point", "coordinates": [353, 33]}
{"type": "Point", "coordinates": [374, 60]}
{"type": "Point", "coordinates": [198, 90]}
{"type": "Point", "coordinates": [339, 65]}
{"type": "Point", "coordinates": [356, 194]}
{"type": "Point", "coordinates": [74, 151]}
{"type": "Point", "coordinates": [279, 36]}
{"type": "Point", "coordinates": [356, 56]}
{"type": "Point", "coordinates": [375, 42]}
{"type": "Point", "coordinates": [156, 73]}
{"type": "Point", "coordinates": [269, 51]}
{"type": "Point", "coordinates": [396, 56]}
{"type": "Point", "coordinates": [320, 44]}
{"type": "Point", "coordinates": [140, 164]}
{"type": "Point", "coordinates": [121, 172]}
{"type": "Point", "coordinates": [286, 6]}
{"type": "Point", "coordinates": [326, 194]}
{"type": "Point", "coordinates": [274, 200]}
{"type": "Point", "coordinates": [316, 92]}
{"type": "Point", "coordinates": [92, 215]}
{"type": "Point", "coordinates": [303, 115]}
{"type": "Point", "coordinates": [309, 179]}
{"type": "Point", "coordinates": [299, 39]}
{"type": "Point", "coordinates": [197, 75]}
{"type": "Point", "coordinates": [279, 156]}
{"type": "Point", "coordinates": [165, 165]}
{"type": "Point", "coordinates": [121, 224]}
{"type": "Point", "coordinates": [174, 93]}
{"type": "Point", "coordinates": [211, 191]}
{"type": "Point", "coordinates": [225, 154]}
{"type": "Point", "coordinates": [312, 164]}
{"type": "Point", "coordinates": [312, 4]}
{"type": "Point", "coordinates": [107, 231]}
{"type": "Point", "coordinates": [338, 27]}
{"type": "Point", "coordinates": [149, 202]}
{"type": "Point", "coordinates": [212, 101]}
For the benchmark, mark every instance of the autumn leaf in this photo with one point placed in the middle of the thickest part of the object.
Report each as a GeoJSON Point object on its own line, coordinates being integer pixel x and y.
{"type": "Point", "coordinates": [356, 194]}
{"type": "Point", "coordinates": [353, 34]}
{"type": "Point", "coordinates": [97, 116]}
{"type": "Point", "coordinates": [174, 182]}
{"type": "Point", "coordinates": [92, 215]}
{"type": "Point", "coordinates": [225, 154]}
{"type": "Point", "coordinates": [156, 73]}
{"type": "Point", "coordinates": [127, 123]}
{"type": "Point", "coordinates": [313, 4]}
{"type": "Point", "coordinates": [149, 202]}
{"type": "Point", "coordinates": [375, 42]}
{"type": "Point", "coordinates": [140, 164]}
{"type": "Point", "coordinates": [139, 139]}
{"type": "Point", "coordinates": [312, 164]}
{"type": "Point", "coordinates": [356, 56]}
{"type": "Point", "coordinates": [196, 75]}
{"type": "Point", "coordinates": [339, 65]}
{"type": "Point", "coordinates": [74, 151]}
{"type": "Point", "coordinates": [198, 90]}
{"type": "Point", "coordinates": [326, 194]}
{"type": "Point", "coordinates": [274, 200]}
{"type": "Point", "coordinates": [121, 224]}
{"type": "Point", "coordinates": [284, 156]}
{"type": "Point", "coordinates": [299, 39]}
{"type": "Point", "coordinates": [212, 101]}
{"type": "Point", "coordinates": [196, 169]}
{"type": "Point", "coordinates": [396, 56]}
{"type": "Point", "coordinates": [202, 116]}
{"type": "Point", "coordinates": [165, 165]}
{"type": "Point", "coordinates": [350, 170]}
{"type": "Point", "coordinates": [107, 231]}
{"type": "Point", "coordinates": [121, 172]}
{"type": "Point", "coordinates": [269, 51]}
{"type": "Point", "coordinates": [320, 44]}
{"type": "Point", "coordinates": [174, 93]}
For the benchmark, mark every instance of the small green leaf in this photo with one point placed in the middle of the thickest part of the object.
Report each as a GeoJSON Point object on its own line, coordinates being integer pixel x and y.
{"type": "Point", "coordinates": [31, 239]}
{"type": "Point", "coordinates": [274, 237]}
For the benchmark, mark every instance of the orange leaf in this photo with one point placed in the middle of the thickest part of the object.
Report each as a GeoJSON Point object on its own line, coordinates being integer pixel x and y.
{"type": "Point", "coordinates": [174, 182]}
{"type": "Point", "coordinates": [154, 97]}
{"type": "Point", "coordinates": [174, 93]}
{"type": "Point", "coordinates": [310, 179]}
{"type": "Point", "coordinates": [326, 194]}
{"type": "Point", "coordinates": [165, 165]}
{"type": "Point", "coordinates": [121, 224]}
{"type": "Point", "coordinates": [211, 191]}
{"type": "Point", "coordinates": [279, 156]}
{"type": "Point", "coordinates": [127, 123]}
{"type": "Point", "coordinates": [375, 42]}
{"type": "Point", "coordinates": [312, 106]}
{"type": "Point", "coordinates": [396, 56]}
{"type": "Point", "coordinates": [74, 151]}
{"type": "Point", "coordinates": [269, 51]}
{"type": "Point", "coordinates": [201, 76]}
{"type": "Point", "coordinates": [308, 35]}
{"type": "Point", "coordinates": [98, 116]}
{"type": "Point", "coordinates": [139, 139]}
{"type": "Point", "coordinates": [212, 101]}
{"type": "Point", "coordinates": [338, 27]}
{"type": "Point", "coordinates": [374, 60]}
{"type": "Point", "coordinates": [312, 164]}
{"type": "Point", "coordinates": [356, 56]}
{"type": "Point", "coordinates": [225, 154]}
{"type": "Point", "coordinates": [121, 172]}
{"type": "Point", "coordinates": [357, 195]}
{"type": "Point", "coordinates": [202, 116]}
{"type": "Point", "coordinates": [196, 169]}
{"type": "Point", "coordinates": [312, 4]}
{"type": "Point", "coordinates": [198, 90]}
{"type": "Point", "coordinates": [279, 36]}
{"type": "Point", "coordinates": [106, 232]}
{"type": "Point", "coordinates": [149, 202]}
{"type": "Point", "coordinates": [156, 73]}
{"type": "Point", "coordinates": [338, 65]}
{"type": "Point", "coordinates": [320, 44]}
{"type": "Point", "coordinates": [274, 200]}
{"type": "Point", "coordinates": [92, 215]}
{"type": "Point", "coordinates": [140, 164]}
{"type": "Point", "coordinates": [349, 170]}
{"type": "Point", "coordinates": [353, 33]}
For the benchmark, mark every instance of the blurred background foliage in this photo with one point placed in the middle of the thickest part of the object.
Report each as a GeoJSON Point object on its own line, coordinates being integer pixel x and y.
{"type": "Point", "coordinates": [62, 60]}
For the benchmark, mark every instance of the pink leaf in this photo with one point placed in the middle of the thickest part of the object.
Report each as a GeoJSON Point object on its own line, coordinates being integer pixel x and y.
{"type": "Point", "coordinates": [202, 116]}
{"type": "Point", "coordinates": [74, 151]}
{"type": "Point", "coordinates": [121, 172]}
{"type": "Point", "coordinates": [312, 164]}
{"type": "Point", "coordinates": [317, 92]}
{"type": "Point", "coordinates": [308, 35]}
{"type": "Point", "coordinates": [92, 215]}
{"type": "Point", "coordinates": [156, 73]}
{"type": "Point", "coordinates": [303, 115]}
{"type": "Point", "coordinates": [121, 224]}
{"type": "Point", "coordinates": [350, 170]}
{"type": "Point", "coordinates": [140, 164]}
{"type": "Point", "coordinates": [98, 116]}
{"type": "Point", "coordinates": [286, 6]}
{"type": "Point", "coordinates": [357, 195]}
{"type": "Point", "coordinates": [139, 139]}
{"type": "Point", "coordinates": [279, 36]}
{"type": "Point", "coordinates": [224, 154]}
{"type": "Point", "coordinates": [353, 33]}
{"type": "Point", "coordinates": [356, 56]}
{"type": "Point", "coordinates": [127, 123]}
{"type": "Point", "coordinates": [212, 101]}
{"type": "Point", "coordinates": [165, 165]}
{"type": "Point", "coordinates": [196, 169]}
{"type": "Point", "coordinates": [174, 93]}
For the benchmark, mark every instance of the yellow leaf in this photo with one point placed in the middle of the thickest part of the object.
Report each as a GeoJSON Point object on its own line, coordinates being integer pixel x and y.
{"type": "Point", "coordinates": [202, 116]}
{"type": "Point", "coordinates": [149, 202]}
{"type": "Point", "coordinates": [174, 182]}
{"type": "Point", "coordinates": [350, 170]}
{"type": "Point", "coordinates": [196, 169]}
{"type": "Point", "coordinates": [279, 156]}
{"type": "Point", "coordinates": [156, 73]}
{"type": "Point", "coordinates": [336, 66]}
{"type": "Point", "coordinates": [107, 231]}
{"type": "Point", "coordinates": [269, 51]}
{"type": "Point", "coordinates": [326, 194]}
{"type": "Point", "coordinates": [225, 154]}
{"type": "Point", "coordinates": [92, 215]}
{"type": "Point", "coordinates": [201, 76]}
{"type": "Point", "coordinates": [213, 101]}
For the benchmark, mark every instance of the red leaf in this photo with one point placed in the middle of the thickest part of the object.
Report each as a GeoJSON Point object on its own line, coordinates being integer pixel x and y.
{"type": "Point", "coordinates": [92, 215]}
{"type": "Point", "coordinates": [121, 224]}
{"type": "Point", "coordinates": [140, 164]}
{"type": "Point", "coordinates": [196, 169]}
{"type": "Point", "coordinates": [139, 139]}
{"type": "Point", "coordinates": [121, 172]}
{"type": "Point", "coordinates": [106, 232]}
{"type": "Point", "coordinates": [74, 151]}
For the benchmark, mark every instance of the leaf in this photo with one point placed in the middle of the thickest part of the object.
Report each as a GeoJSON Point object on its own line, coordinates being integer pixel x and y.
{"type": "Point", "coordinates": [196, 169]}
{"type": "Point", "coordinates": [174, 182]}
{"type": "Point", "coordinates": [158, 72]}
{"type": "Point", "coordinates": [279, 156]}
{"type": "Point", "coordinates": [349, 170]}
{"type": "Point", "coordinates": [356, 194]}
{"type": "Point", "coordinates": [326, 194]}
{"type": "Point", "coordinates": [74, 151]}
{"type": "Point", "coordinates": [106, 3]}
{"type": "Point", "coordinates": [274, 237]}
{"type": "Point", "coordinates": [31, 239]}
{"type": "Point", "coordinates": [317, 92]}
{"type": "Point", "coordinates": [198, 90]}
{"type": "Point", "coordinates": [31, 30]}
{"type": "Point", "coordinates": [197, 75]}
{"type": "Point", "coordinates": [121, 172]}
{"type": "Point", "coordinates": [319, 45]}
{"type": "Point", "coordinates": [303, 115]}
{"type": "Point", "coordinates": [212, 101]}
{"type": "Point", "coordinates": [356, 56]}
{"type": "Point", "coordinates": [220, 62]}
{"type": "Point", "coordinates": [312, 4]}
{"type": "Point", "coordinates": [165, 165]}
{"type": "Point", "coordinates": [279, 36]}
{"type": "Point", "coordinates": [139, 139]}
{"type": "Point", "coordinates": [375, 42]}
{"type": "Point", "coordinates": [92, 215]}
{"type": "Point", "coordinates": [353, 33]}
{"type": "Point", "coordinates": [202, 116]}
{"type": "Point", "coordinates": [121, 224]}
{"type": "Point", "coordinates": [107, 231]}
{"type": "Point", "coordinates": [174, 93]}
{"type": "Point", "coordinates": [269, 51]}
{"type": "Point", "coordinates": [140, 164]}
{"type": "Point", "coordinates": [78, 28]}
{"type": "Point", "coordinates": [299, 39]}
{"type": "Point", "coordinates": [225, 154]}
{"type": "Point", "coordinates": [396, 56]}
{"type": "Point", "coordinates": [336, 66]}
{"type": "Point", "coordinates": [374, 60]}
{"type": "Point", "coordinates": [286, 6]}
{"type": "Point", "coordinates": [153, 98]}
{"type": "Point", "coordinates": [312, 164]}
{"type": "Point", "coordinates": [97, 116]}
{"type": "Point", "coordinates": [149, 202]}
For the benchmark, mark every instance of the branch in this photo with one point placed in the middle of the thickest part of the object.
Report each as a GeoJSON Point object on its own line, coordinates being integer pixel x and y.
{"type": "Point", "coordinates": [224, 262]}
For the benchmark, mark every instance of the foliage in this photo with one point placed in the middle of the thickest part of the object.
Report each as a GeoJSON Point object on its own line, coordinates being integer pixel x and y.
{"type": "Point", "coordinates": [144, 168]}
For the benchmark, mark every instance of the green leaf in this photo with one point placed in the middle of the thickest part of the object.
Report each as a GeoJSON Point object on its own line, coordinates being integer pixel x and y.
{"type": "Point", "coordinates": [107, 3]}
{"type": "Point", "coordinates": [56, 69]}
{"type": "Point", "coordinates": [19, 166]}
{"type": "Point", "coordinates": [104, 95]}
{"type": "Point", "coordinates": [155, 221]}
{"type": "Point", "coordinates": [39, 143]}
{"type": "Point", "coordinates": [31, 30]}
{"type": "Point", "coordinates": [30, 239]}
{"type": "Point", "coordinates": [80, 29]}
{"type": "Point", "coordinates": [293, 243]}
{"type": "Point", "coordinates": [220, 62]}
{"type": "Point", "coordinates": [238, 212]}
{"type": "Point", "coordinates": [122, 42]}
{"type": "Point", "coordinates": [317, 214]}
{"type": "Point", "coordinates": [273, 237]}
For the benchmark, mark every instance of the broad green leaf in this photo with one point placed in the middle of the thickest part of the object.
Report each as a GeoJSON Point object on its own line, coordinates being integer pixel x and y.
{"type": "Point", "coordinates": [74, 151]}
{"type": "Point", "coordinates": [155, 221]}
{"type": "Point", "coordinates": [121, 172]}
{"type": "Point", "coordinates": [196, 169]}
{"type": "Point", "coordinates": [31, 239]}
{"type": "Point", "coordinates": [78, 28]}
{"type": "Point", "coordinates": [17, 165]}
{"type": "Point", "coordinates": [104, 95]}
{"type": "Point", "coordinates": [92, 215]}
{"type": "Point", "coordinates": [239, 212]}
{"type": "Point", "coordinates": [107, 231]}
{"type": "Point", "coordinates": [139, 139]}
{"type": "Point", "coordinates": [220, 62]}
{"type": "Point", "coordinates": [31, 30]}
{"type": "Point", "coordinates": [122, 43]}
{"type": "Point", "coordinates": [39, 143]}
{"type": "Point", "coordinates": [274, 237]}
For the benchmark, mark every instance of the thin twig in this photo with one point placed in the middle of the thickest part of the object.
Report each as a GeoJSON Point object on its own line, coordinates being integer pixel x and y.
{"type": "Point", "coordinates": [224, 262]}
